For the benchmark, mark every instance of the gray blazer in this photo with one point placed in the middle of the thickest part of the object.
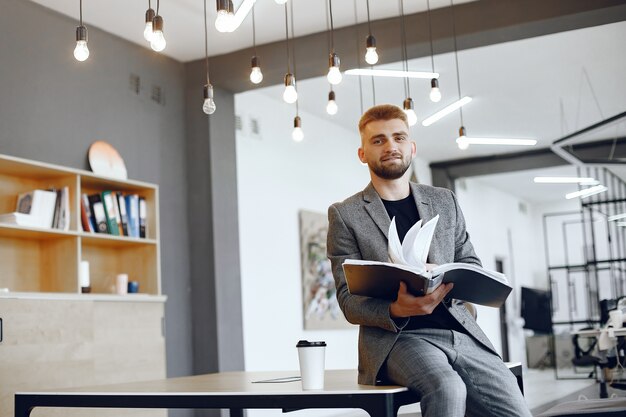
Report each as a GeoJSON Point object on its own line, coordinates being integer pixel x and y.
{"type": "Point", "coordinates": [358, 229]}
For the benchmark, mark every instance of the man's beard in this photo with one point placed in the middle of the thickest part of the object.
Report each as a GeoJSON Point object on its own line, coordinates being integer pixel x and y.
{"type": "Point", "coordinates": [390, 172]}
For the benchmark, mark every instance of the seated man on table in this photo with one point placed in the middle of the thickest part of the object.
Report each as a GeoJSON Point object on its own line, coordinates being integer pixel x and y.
{"type": "Point", "coordinates": [428, 344]}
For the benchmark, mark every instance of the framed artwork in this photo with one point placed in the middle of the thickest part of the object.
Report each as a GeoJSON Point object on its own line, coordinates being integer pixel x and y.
{"type": "Point", "coordinates": [320, 307]}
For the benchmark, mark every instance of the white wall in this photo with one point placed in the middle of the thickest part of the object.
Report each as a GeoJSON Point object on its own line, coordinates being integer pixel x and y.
{"type": "Point", "coordinates": [504, 226]}
{"type": "Point", "coordinates": [276, 178]}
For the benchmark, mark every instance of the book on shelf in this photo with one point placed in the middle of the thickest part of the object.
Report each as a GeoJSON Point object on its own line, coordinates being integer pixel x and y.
{"type": "Point", "coordinates": [63, 218]}
{"type": "Point", "coordinates": [408, 264]}
{"type": "Point", "coordinates": [142, 217]}
{"type": "Point", "coordinates": [132, 209]}
{"type": "Point", "coordinates": [57, 208]}
{"type": "Point", "coordinates": [86, 217]}
{"type": "Point", "coordinates": [121, 202]}
{"type": "Point", "coordinates": [40, 205]}
{"type": "Point", "coordinates": [118, 218]}
{"type": "Point", "coordinates": [109, 210]}
{"type": "Point", "coordinates": [97, 211]}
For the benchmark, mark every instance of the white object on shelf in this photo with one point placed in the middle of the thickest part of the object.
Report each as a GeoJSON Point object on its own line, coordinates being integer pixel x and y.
{"type": "Point", "coordinates": [20, 219]}
{"type": "Point", "coordinates": [83, 274]}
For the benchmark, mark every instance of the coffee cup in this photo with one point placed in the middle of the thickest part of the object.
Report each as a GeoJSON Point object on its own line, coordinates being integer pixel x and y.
{"type": "Point", "coordinates": [311, 356]}
{"type": "Point", "coordinates": [616, 318]}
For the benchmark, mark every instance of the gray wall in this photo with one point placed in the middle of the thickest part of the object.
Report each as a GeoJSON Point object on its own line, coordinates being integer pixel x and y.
{"type": "Point", "coordinates": [53, 107]}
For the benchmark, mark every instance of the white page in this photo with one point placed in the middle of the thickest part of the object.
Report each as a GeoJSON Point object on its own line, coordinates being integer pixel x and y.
{"type": "Point", "coordinates": [394, 246]}
{"type": "Point", "coordinates": [409, 242]}
{"type": "Point", "coordinates": [424, 239]}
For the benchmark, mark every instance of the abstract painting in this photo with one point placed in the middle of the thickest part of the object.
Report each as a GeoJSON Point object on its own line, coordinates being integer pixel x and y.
{"type": "Point", "coordinates": [320, 307]}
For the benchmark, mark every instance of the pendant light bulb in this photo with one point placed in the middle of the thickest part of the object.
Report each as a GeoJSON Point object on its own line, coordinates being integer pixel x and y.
{"type": "Point", "coordinates": [256, 76]}
{"type": "Point", "coordinates": [157, 43]}
{"type": "Point", "coordinates": [224, 21]}
{"type": "Point", "coordinates": [290, 95]}
{"type": "Point", "coordinates": [81, 52]}
{"type": "Point", "coordinates": [461, 141]}
{"type": "Point", "coordinates": [331, 107]}
{"type": "Point", "coordinates": [435, 93]}
{"type": "Point", "coordinates": [371, 56]}
{"type": "Point", "coordinates": [334, 74]}
{"type": "Point", "coordinates": [208, 106]}
{"type": "Point", "coordinates": [409, 110]}
{"type": "Point", "coordinates": [147, 32]}
{"type": "Point", "coordinates": [297, 134]}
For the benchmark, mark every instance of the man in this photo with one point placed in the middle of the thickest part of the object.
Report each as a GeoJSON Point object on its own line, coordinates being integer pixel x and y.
{"type": "Point", "coordinates": [428, 343]}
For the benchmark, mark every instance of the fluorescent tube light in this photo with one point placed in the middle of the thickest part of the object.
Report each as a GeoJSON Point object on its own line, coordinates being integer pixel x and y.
{"type": "Point", "coordinates": [567, 180]}
{"type": "Point", "coordinates": [465, 140]}
{"type": "Point", "coordinates": [392, 73]}
{"type": "Point", "coordinates": [587, 192]}
{"type": "Point", "coordinates": [446, 111]}
{"type": "Point", "coordinates": [617, 217]}
{"type": "Point", "coordinates": [241, 14]}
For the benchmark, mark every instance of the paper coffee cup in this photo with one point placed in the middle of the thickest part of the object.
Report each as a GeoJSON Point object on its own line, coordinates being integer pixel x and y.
{"type": "Point", "coordinates": [311, 356]}
{"type": "Point", "coordinates": [616, 318]}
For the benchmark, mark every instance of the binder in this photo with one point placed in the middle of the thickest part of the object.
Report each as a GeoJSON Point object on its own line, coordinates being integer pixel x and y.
{"type": "Point", "coordinates": [99, 216]}
{"type": "Point", "coordinates": [109, 211]}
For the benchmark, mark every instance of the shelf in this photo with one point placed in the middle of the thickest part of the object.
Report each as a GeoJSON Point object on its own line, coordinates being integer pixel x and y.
{"type": "Point", "coordinates": [14, 231]}
{"type": "Point", "coordinates": [106, 240]}
{"type": "Point", "coordinates": [139, 297]}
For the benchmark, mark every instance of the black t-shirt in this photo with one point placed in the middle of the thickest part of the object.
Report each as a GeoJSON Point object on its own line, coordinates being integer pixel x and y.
{"type": "Point", "coordinates": [405, 212]}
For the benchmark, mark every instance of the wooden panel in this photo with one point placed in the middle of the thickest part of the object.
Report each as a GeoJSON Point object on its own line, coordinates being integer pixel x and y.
{"type": "Point", "coordinates": [19, 264]}
{"type": "Point", "coordinates": [59, 265]}
{"type": "Point", "coordinates": [140, 262]}
{"type": "Point", "coordinates": [46, 345]}
{"type": "Point", "coordinates": [62, 344]}
{"type": "Point", "coordinates": [11, 187]}
{"type": "Point", "coordinates": [105, 262]}
{"type": "Point", "coordinates": [104, 265]}
{"type": "Point", "coordinates": [129, 344]}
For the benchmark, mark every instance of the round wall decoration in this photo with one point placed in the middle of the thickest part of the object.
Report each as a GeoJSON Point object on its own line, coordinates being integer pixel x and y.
{"type": "Point", "coordinates": [105, 160]}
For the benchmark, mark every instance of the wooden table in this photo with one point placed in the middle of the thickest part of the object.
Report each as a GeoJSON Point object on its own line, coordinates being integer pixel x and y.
{"type": "Point", "coordinates": [234, 391]}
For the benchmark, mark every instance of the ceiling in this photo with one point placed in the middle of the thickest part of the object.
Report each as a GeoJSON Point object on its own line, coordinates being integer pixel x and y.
{"type": "Point", "coordinates": [540, 87]}
{"type": "Point", "coordinates": [184, 24]}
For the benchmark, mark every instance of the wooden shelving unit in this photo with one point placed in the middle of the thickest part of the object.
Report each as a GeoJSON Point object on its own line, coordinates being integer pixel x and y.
{"type": "Point", "coordinates": [47, 260]}
{"type": "Point", "coordinates": [53, 336]}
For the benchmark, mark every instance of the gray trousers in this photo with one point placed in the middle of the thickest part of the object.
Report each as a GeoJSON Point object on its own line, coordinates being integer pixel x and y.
{"type": "Point", "coordinates": [454, 375]}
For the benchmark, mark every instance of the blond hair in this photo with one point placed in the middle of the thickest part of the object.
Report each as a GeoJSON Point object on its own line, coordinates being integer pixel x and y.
{"type": "Point", "coordinates": [382, 112]}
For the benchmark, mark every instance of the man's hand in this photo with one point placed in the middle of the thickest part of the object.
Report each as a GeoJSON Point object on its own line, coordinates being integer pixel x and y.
{"type": "Point", "coordinates": [407, 305]}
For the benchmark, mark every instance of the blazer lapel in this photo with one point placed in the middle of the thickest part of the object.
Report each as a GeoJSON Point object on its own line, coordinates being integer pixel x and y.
{"type": "Point", "coordinates": [424, 208]}
{"type": "Point", "coordinates": [376, 209]}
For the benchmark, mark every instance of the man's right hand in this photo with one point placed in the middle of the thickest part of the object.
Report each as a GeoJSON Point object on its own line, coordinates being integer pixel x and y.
{"type": "Point", "coordinates": [407, 305]}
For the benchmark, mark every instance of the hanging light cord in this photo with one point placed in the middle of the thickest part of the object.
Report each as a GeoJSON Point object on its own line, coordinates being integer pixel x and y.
{"type": "Point", "coordinates": [253, 32]}
{"type": "Point", "coordinates": [159, 3]}
{"type": "Point", "coordinates": [287, 38]}
{"type": "Point", "coordinates": [293, 45]}
{"type": "Point", "coordinates": [149, 4]}
{"type": "Point", "coordinates": [405, 63]}
{"type": "Point", "coordinates": [371, 66]}
{"type": "Point", "coordinates": [430, 35]}
{"type": "Point", "coordinates": [369, 23]}
{"type": "Point", "coordinates": [332, 27]}
{"type": "Point", "coordinates": [81, 12]}
{"type": "Point", "coordinates": [206, 42]}
{"type": "Point", "coordinates": [456, 59]}
{"type": "Point", "coordinates": [358, 61]}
